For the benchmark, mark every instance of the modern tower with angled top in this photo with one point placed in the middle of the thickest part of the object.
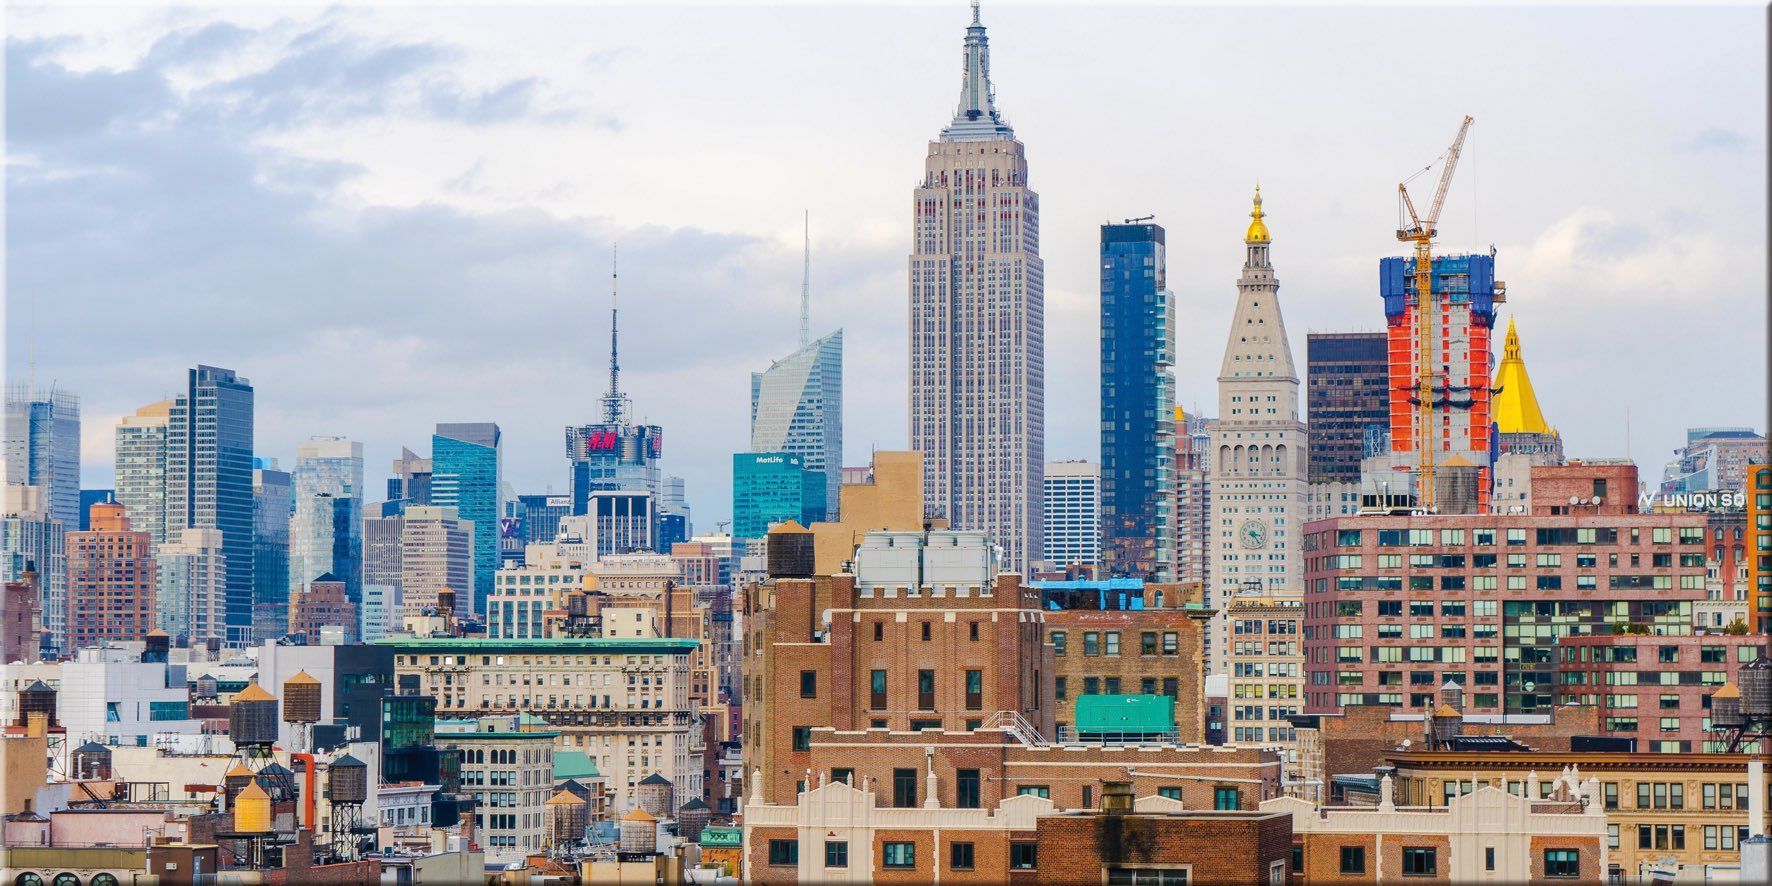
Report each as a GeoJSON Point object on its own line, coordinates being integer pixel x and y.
{"type": "Point", "coordinates": [977, 292]}
{"type": "Point", "coordinates": [1258, 448]}
{"type": "Point", "coordinates": [797, 403]}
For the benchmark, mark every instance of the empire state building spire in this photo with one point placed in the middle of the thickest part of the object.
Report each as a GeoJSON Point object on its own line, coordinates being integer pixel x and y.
{"type": "Point", "coordinates": [978, 324]}
{"type": "Point", "coordinates": [976, 117]}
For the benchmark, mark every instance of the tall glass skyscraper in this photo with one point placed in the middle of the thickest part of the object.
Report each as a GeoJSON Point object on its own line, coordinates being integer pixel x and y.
{"type": "Point", "coordinates": [209, 483]}
{"type": "Point", "coordinates": [273, 504]}
{"type": "Point", "coordinates": [32, 539]}
{"type": "Point", "coordinates": [43, 447]}
{"type": "Point", "coordinates": [141, 468]}
{"type": "Point", "coordinates": [467, 464]}
{"type": "Point", "coordinates": [774, 487]}
{"type": "Point", "coordinates": [978, 351]}
{"type": "Point", "coordinates": [1137, 404]}
{"type": "Point", "coordinates": [327, 532]}
{"type": "Point", "coordinates": [797, 407]}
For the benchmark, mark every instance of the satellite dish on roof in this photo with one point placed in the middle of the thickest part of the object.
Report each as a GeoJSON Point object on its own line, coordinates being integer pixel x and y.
{"type": "Point", "coordinates": [1575, 499]}
{"type": "Point", "coordinates": [1596, 499]}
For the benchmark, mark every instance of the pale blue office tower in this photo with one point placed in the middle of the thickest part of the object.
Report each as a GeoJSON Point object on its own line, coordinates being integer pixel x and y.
{"type": "Point", "coordinates": [797, 403]}
{"type": "Point", "coordinates": [326, 534]}
{"type": "Point", "coordinates": [43, 447]}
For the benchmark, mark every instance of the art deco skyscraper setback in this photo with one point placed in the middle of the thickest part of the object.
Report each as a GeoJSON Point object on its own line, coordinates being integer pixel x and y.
{"type": "Point", "coordinates": [977, 290]}
{"type": "Point", "coordinates": [209, 485]}
{"type": "Point", "coordinates": [1258, 447]}
{"type": "Point", "coordinates": [1137, 404]}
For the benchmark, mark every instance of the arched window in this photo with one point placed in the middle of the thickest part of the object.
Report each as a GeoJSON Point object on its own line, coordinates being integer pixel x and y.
{"type": "Point", "coordinates": [104, 880]}
{"type": "Point", "coordinates": [28, 878]}
{"type": "Point", "coordinates": [65, 878]}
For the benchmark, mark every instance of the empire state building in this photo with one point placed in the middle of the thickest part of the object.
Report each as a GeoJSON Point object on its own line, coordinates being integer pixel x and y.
{"type": "Point", "coordinates": [977, 288]}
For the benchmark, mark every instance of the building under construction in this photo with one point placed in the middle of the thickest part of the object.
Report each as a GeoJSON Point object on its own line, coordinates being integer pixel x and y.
{"type": "Point", "coordinates": [1464, 293]}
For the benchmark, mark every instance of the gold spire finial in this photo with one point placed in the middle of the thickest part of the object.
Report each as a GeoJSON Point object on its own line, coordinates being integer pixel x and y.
{"type": "Point", "coordinates": [1514, 405]}
{"type": "Point", "coordinates": [1257, 232]}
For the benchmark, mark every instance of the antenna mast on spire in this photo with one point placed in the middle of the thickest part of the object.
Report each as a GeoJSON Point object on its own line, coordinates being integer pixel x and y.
{"type": "Point", "coordinates": [975, 12]}
{"type": "Point", "coordinates": [806, 284]}
{"type": "Point", "coordinates": [613, 402]}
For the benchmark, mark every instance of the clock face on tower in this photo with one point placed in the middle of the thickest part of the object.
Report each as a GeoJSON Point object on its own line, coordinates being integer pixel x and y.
{"type": "Point", "coordinates": [1252, 534]}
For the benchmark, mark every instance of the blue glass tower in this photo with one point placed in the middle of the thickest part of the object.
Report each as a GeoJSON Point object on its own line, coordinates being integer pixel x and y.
{"type": "Point", "coordinates": [466, 467]}
{"type": "Point", "coordinates": [273, 496]}
{"type": "Point", "coordinates": [773, 487]}
{"type": "Point", "coordinates": [1137, 404]}
{"type": "Point", "coordinates": [209, 478]}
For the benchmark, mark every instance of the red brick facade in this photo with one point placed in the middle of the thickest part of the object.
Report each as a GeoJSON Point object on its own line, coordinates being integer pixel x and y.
{"type": "Point", "coordinates": [1396, 606]}
{"type": "Point", "coordinates": [1219, 848]}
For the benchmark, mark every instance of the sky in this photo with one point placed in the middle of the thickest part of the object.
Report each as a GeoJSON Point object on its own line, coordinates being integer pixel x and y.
{"type": "Point", "coordinates": [391, 216]}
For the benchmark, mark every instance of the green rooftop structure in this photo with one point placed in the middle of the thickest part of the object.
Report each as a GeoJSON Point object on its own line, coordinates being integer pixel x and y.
{"type": "Point", "coordinates": [574, 765]}
{"type": "Point", "coordinates": [1125, 717]}
{"type": "Point", "coordinates": [721, 837]}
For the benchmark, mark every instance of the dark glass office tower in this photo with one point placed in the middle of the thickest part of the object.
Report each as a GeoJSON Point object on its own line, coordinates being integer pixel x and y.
{"type": "Point", "coordinates": [209, 479]}
{"type": "Point", "coordinates": [1347, 392]}
{"type": "Point", "coordinates": [1137, 404]}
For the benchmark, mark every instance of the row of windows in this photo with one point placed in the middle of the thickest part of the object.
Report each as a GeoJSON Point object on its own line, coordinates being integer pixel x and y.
{"type": "Point", "coordinates": [1108, 643]}
{"type": "Point", "coordinates": [899, 855]}
{"type": "Point", "coordinates": [1424, 861]}
{"type": "Point", "coordinates": [1388, 538]}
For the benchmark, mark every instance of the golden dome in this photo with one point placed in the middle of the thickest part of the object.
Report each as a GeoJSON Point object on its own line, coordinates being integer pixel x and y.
{"type": "Point", "coordinates": [1257, 228]}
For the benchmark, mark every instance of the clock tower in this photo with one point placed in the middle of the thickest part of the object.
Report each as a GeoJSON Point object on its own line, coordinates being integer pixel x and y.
{"type": "Point", "coordinates": [1257, 456]}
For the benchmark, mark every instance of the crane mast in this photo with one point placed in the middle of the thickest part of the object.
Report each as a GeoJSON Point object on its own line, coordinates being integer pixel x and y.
{"type": "Point", "coordinates": [1421, 231]}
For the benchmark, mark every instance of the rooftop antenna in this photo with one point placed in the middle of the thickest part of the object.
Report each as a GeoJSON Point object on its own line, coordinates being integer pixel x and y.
{"type": "Point", "coordinates": [806, 278]}
{"type": "Point", "coordinates": [975, 12]}
{"type": "Point", "coordinates": [614, 404]}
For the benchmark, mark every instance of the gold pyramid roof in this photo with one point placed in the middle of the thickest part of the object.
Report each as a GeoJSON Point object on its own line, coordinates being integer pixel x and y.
{"type": "Point", "coordinates": [1515, 406]}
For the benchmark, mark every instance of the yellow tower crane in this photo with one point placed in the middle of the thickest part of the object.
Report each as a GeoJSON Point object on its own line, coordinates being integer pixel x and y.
{"type": "Point", "coordinates": [1421, 231]}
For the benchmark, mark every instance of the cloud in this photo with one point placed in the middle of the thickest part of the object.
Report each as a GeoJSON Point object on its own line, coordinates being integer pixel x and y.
{"type": "Point", "coordinates": [156, 228]}
{"type": "Point", "coordinates": [1596, 258]}
{"type": "Point", "coordinates": [1717, 139]}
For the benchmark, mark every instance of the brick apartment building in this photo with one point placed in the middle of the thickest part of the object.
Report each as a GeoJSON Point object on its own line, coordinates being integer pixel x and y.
{"type": "Point", "coordinates": [1654, 690]}
{"type": "Point", "coordinates": [111, 580]}
{"type": "Point", "coordinates": [1125, 637]}
{"type": "Point", "coordinates": [1028, 839]}
{"type": "Point", "coordinates": [924, 635]}
{"type": "Point", "coordinates": [1357, 740]}
{"type": "Point", "coordinates": [1396, 606]}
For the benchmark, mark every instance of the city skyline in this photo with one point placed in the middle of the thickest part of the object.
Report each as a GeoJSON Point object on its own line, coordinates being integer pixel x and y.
{"type": "Point", "coordinates": [1594, 238]}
